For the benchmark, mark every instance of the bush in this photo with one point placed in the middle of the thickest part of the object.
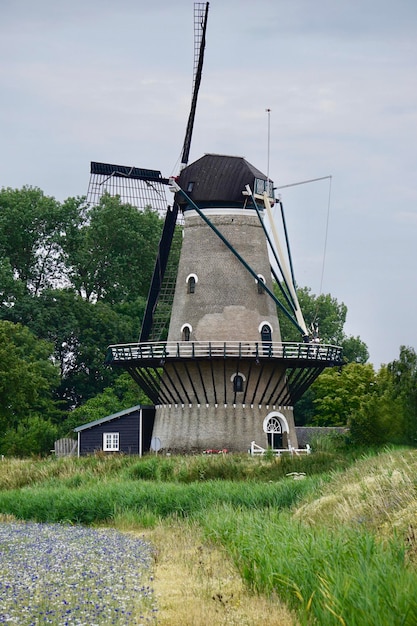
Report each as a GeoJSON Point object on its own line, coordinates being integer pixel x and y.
{"type": "Point", "coordinates": [33, 436]}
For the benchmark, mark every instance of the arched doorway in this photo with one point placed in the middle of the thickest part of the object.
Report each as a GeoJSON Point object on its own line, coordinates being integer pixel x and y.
{"type": "Point", "coordinates": [276, 428]}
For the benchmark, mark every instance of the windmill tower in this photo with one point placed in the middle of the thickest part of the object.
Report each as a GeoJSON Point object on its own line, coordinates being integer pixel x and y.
{"type": "Point", "coordinates": [223, 378]}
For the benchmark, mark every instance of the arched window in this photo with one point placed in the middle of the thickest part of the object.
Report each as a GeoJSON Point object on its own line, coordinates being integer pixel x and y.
{"type": "Point", "coordinates": [266, 333]}
{"type": "Point", "coordinates": [238, 380]}
{"type": "Point", "coordinates": [274, 433]}
{"type": "Point", "coordinates": [266, 338]}
{"type": "Point", "coordinates": [276, 426]}
{"type": "Point", "coordinates": [186, 331]}
{"type": "Point", "coordinates": [261, 284]}
{"type": "Point", "coordinates": [238, 383]}
{"type": "Point", "coordinates": [191, 281]}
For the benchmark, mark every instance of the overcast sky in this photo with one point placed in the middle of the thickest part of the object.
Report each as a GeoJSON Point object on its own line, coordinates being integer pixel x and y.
{"type": "Point", "coordinates": [99, 80]}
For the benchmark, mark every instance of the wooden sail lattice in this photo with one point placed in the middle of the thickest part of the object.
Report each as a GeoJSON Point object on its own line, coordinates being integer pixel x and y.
{"type": "Point", "coordinates": [162, 313]}
{"type": "Point", "coordinates": [136, 186]}
{"type": "Point", "coordinates": [140, 188]}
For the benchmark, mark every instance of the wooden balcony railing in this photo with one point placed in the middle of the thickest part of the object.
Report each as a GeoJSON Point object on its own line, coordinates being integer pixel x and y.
{"type": "Point", "coordinates": [200, 350]}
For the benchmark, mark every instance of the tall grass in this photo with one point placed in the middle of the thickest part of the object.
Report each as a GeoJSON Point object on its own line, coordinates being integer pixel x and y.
{"type": "Point", "coordinates": [378, 492]}
{"type": "Point", "coordinates": [17, 473]}
{"type": "Point", "coordinates": [97, 503]}
{"type": "Point", "coordinates": [338, 576]}
{"type": "Point", "coordinates": [339, 546]}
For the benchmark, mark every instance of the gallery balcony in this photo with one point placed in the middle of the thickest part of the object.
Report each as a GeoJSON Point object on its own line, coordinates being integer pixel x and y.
{"type": "Point", "coordinates": [192, 372]}
{"type": "Point", "coordinates": [157, 353]}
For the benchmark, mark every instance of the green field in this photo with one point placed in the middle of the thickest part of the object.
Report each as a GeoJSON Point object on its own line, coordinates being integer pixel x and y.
{"type": "Point", "coordinates": [330, 534]}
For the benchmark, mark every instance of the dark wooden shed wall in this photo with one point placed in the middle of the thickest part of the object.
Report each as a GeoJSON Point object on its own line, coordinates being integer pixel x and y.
{"type": "Point", "coordinates": [91, 439]}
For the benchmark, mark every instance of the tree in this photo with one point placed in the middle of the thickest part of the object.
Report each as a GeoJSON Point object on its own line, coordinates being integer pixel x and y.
{"type": "Point", "coordinates": [110, 250]}
{"type": "Point", "coordinates": [402, 383]}
{"type": "Point", "coordinates": [378, 408]}
{"type": "Point", "coordinates": [354, 350]}
{"type": "Point", "coordinates": [123, 394]}
{"type": "Point", "coordinates": [30, 228]}
{"type": "Point", "coordinates": [330, 317]}
{"type": "Point", "coordinates": [340, 392]}
{"type": "Point", "coordinates": [27, 376]}
{"type": "Point", "coordinates": [80, 332]}
{"type": "Point", "coordinates": [8, 292]}
{"type": "Point", "coordinates": [322, 310]}
{"type": "Point", "coordinates": [374, 423]}
{"type": "Point", "coordinates": [33, 435]}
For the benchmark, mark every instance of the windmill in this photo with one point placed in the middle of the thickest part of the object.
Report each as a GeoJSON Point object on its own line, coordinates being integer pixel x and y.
{"type": "Point", "coordinates": [223, 378]}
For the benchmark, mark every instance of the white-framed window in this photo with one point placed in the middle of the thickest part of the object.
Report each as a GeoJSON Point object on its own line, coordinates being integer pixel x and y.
{"type": "Point", "coordinates": [111, 441]}
{"type": "Point", "coordinates": [275, 425]}
{"type": "Point", "coordinates": [186, 330]}
{"type": "Point", "coordinates": [191, 281]}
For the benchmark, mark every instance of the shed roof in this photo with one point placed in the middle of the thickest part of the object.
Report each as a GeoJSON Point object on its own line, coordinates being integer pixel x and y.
{"type": "Point", "coordinates": [111, 417]}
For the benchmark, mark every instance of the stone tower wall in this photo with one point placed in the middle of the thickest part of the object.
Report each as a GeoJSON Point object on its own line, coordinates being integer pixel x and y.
{"type": "Point", "coordinates": [226, 305]}
{"type": "Point", "coordinates": [197, 428]}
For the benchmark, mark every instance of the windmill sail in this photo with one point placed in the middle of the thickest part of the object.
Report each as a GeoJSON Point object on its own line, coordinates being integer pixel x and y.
{"type": "Point", "coordinates": [162, 287]}
{"type": "Point", "coordinates": [136, 186]}
{"type": "Point", "coordinates": [200, 28]}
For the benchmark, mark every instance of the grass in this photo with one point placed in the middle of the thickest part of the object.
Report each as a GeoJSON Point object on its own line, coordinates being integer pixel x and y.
{"type": "Point", "coordinates": [327, 576]}
{"type": "Point", "coordinates": [88, 505]}
{"type": "Point", "coordinates": [196, 583]}
{"type": "Point", "coordinates": [338, 547]}
{"type": "Point", "coordinates": [378, 492]}
{"type": "Point", "coordinates": [18, 473]}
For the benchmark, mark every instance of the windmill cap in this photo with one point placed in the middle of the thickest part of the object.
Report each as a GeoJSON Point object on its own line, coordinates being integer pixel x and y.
{"type": "Point", "coordinates": [217, 179]}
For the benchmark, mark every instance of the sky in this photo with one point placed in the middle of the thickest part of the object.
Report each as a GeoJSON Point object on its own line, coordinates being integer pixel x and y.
{"type": "Point", "coordinates": [98, 80]}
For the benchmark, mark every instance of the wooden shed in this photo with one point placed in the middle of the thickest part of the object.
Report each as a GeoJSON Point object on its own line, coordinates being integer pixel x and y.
{"type": "Point", "coordinates": [127, 431]}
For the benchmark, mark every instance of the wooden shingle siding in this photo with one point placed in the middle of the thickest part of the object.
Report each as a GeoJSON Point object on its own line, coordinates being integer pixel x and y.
{"type": "Point", "coordinates": [126, 423]}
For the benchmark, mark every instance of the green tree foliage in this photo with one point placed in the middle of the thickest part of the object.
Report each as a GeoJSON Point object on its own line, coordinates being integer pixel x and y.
{"type": "Point", "coordinates": [32, 436]}
{"type": "Point", "coordinates": [375, 422]}
{"type": "Point", "coordinates": [402, 386]}
{"type": "Point", "coordinates": [110, 250]}
{"type": "Point", "coordinates": [378, 408]}
{"type": "Point", "coordinates": [384, 416]}
{"type": "Point", "coordinates": [80, 332]}
{"type": "Point", "coordinates": [322, 310]}
{"type": "Point", "coordinates": [340, 392]}
{"type": "Point", "coordinates": [123, 394]}
{"type": "Point", "coordinates": [8, 287]}
{"type": "Point", "coordinates": [354, 350]}
{"type": "Point", "coordinates": [76, 276]}
{"type": "Point", "coordinates": [27, 376]}
{"type": "Point", "coordinates": [30, 227]}
{"type": "Point", "coordinates": [330, 317]}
